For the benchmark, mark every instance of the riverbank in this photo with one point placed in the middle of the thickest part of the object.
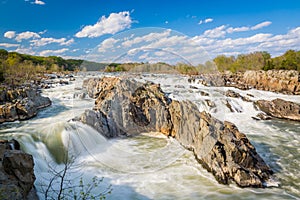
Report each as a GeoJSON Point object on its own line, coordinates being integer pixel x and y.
{"type": "Point", "coordinates": [280, 81]}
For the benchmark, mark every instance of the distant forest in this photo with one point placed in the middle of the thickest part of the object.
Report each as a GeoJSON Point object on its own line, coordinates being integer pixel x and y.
{"type": "Point", "coordinates": [22, 67]}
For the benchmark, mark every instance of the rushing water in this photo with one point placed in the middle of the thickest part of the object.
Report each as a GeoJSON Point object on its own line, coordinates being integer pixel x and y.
{"type": "Point", "coordinates": [152, 166]}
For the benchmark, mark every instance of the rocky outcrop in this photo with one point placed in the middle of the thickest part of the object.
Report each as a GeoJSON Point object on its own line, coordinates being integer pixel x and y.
{"type": "Point", "coordinates": [280, 108]}
{"type": "Point", "coordinates": [21, 104]}
{"type": "Point", "coordinates": [16, 172]}
{"type": "Point", "coordinates": [125, 107]}
{"type": "Point", "coordinates": [283, 81]}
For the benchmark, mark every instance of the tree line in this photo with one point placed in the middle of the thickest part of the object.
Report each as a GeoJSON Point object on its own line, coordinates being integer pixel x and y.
{"type": "Point", "coordinates": [260, 60]}
{"type": "Point", "coordinates": [16, 68]}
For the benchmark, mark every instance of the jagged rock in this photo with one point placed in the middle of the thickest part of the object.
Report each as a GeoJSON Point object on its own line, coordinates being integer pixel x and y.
{"type": "Point", "coordinates": [233, 94]}
{"type": "Point", "coordinates": [210, 103]}
{"type": "Point", "coordinates": [16, 172]}
{"type": "Point", "coordinates": [21, 104]}
{"type": "Point", "coordinates": [202, 93]}
{"type": "Point", "coordinates": [263, 116]}
{"type": "Point", "coordinates": [193, 87]}
{"type": "Point", "coordinates": [283, 81]}
{"type": "Point", "coordinates": [126, 107]}
{"type": "Point", "coordinates": [280, 108]}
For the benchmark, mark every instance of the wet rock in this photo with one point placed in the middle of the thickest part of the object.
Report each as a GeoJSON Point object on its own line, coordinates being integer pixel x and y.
{"type": "Point", "coordinates": [202, 93]}
{"type": "Point", "coordinates": [233, 94]}
{"type": "Point", "coordinates": [210, 103]}
{"type": "Point", "coordinates": [21, 104]}
{"type": "Point", "coordinates": [16, 172]}
{"type": "Point", "coordinates": [125, 107]}
{"type": "Point", "coordinates": [193, 87]}
{"type": "Point", "coordinates": [280, 108]}
{"type": "Point", "coordinates": [263, 116]}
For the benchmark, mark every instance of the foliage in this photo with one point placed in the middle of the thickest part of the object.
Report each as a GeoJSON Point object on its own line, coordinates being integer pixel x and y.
{"type": "Point", "coordinates": [17, 69]}
{"type": "Point", "coordinates": [62, 186]}
{"type": "Point", "coordinates": [290, 60]}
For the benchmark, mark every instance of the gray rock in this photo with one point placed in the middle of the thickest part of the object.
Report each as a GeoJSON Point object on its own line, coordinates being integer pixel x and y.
{"type": "Point", "coordinates": [280, 108]}
{"type": "Point", "coordinates": [16, 173]}
{"type": "Point", "coordinates": [21, 104]}
{"type": "Point", "coordinates": [125, 107]}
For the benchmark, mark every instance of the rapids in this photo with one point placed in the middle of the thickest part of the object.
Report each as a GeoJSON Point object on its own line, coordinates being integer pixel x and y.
{"type": "Point", "coordinates": [152, 166]}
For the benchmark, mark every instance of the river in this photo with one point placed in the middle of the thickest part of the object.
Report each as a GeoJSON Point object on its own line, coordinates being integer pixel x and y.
{"type": "Point", "coordinates": [152, 166]}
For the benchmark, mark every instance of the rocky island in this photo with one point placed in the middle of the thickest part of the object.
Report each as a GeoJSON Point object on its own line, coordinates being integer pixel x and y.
{"type": "Point", "coordinates": [125, 107]}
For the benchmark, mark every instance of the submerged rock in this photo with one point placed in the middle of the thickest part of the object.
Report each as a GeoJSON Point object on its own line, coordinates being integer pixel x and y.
{"type": "Point", "coordinates": [21, 104]}
{"type": "Point", "coordinates": [280, 108]}
{"type": "Point", "coordinates": [125, 107]}
{"type": "Point", "coordinates": [16, 172]}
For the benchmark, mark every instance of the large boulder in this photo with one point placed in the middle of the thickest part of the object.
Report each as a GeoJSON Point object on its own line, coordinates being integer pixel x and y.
{"type": "Point", "coordinates": [16, 172]}
{"type": "Point", "coordinates": [126, 107]}
{"type": "Point", "coordinates": [20, 104]}
{"type": "Point", "coordinates": [280, 108]}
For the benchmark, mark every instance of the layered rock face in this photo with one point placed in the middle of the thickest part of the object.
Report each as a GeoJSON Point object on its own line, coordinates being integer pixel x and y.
{"type": "Point", "coordinates": [283, 81]}
{"type": "Point", "coordinates": [280, 108]}
{"type": "Point", "coordinates": [125, 107]}
{"type": "Point", "coordinates": [21, 104]}
{"type": "Point", "coordinates": [16, 172]}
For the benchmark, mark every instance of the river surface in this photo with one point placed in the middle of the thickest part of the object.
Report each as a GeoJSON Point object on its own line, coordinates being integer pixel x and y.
{"type": "Point", "coordinates": [152, 166]}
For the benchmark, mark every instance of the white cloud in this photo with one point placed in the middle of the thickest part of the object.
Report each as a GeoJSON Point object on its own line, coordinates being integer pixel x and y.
{"type": "Point", "coordinates": [42, 32]}
{"type": "Point", "coordinates": [24, 50]}
{"type": "Point", "coordinates": [237, 29]}
{"type": "Point", "coordinates": [216, 32]}
{"type": "Point", "coordinates": [107, 44]}
{"type": "Point", "coordinates": [10, 34]}
{"type": "Point", "coordinates": [38, 2]}
{"type": "Point", "coordinates": [26, 35]}
{"type": "Point", "coordinates": [114, 23]}
{"type": "Point", "coordinates": [208, 20]}
{"type": "Point", "coordinates": [46, 41]}
{"type": "Point", "coordinates": [205, 21]}
{"type": "Point", "coordinates": [53, 52]}
{"type": "Point", "coordinates": [146, 38]}
{"type": "Point", "coordinates": [261, 25]}
{"type": "Point", "coordinates": [8, 45]}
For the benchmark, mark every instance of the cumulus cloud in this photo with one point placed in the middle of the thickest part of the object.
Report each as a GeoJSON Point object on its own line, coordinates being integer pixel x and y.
{"type": "Point", "coordinates": [261, 25]}
{"type": "Point", "coordinates": [8, 45]}
{"type": "Point", "coordinates": [216, 32]}
{"type": "Point", "coordinates": [53, 52]}
{"type": "Point", "coordinates": [26, 35]}
{"type": "Point", "coordinates": [114, 23]}
{"type": "Point", "coordinates": [107, 44]}
{"type": "Point", "coordinates": [10, 34]}
{"type": "Point", "coordinates": [46, 41]}
{"type": "Point", "coordinates": [205, 21]}
{"type": "Point", "coordinates": [38, 2]}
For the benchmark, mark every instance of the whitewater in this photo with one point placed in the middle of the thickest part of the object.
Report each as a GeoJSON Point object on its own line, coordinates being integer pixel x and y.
{"type": "Point", "coordinates": [151, 165]}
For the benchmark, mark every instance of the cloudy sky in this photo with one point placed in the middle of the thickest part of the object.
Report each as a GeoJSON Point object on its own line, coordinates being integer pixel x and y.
{"type": "Point", "coordinates": [129, 30]}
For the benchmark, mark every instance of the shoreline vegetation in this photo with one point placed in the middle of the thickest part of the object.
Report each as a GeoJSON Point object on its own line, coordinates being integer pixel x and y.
{"type": "Point", "coordinates": [18, 69]}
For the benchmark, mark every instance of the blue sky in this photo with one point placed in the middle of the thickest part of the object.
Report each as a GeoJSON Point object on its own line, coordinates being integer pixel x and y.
{"type": "Point", "coordinates": [105, 30]}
